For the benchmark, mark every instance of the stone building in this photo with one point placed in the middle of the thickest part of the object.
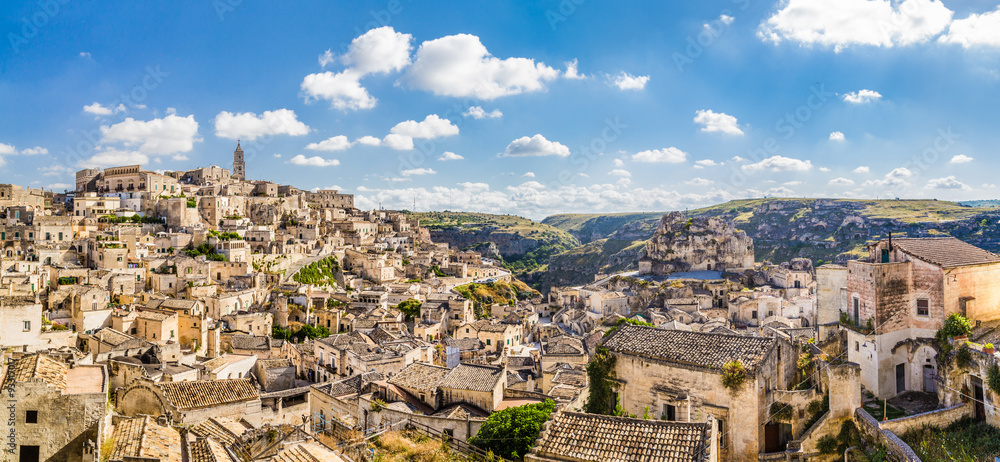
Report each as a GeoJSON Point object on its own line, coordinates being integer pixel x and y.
{"type": "Point", "coordinates": [239, 166]}
{"type": "Point", "coordinates": [900, 296]}
{"type": "Point", "coordinates": [57, 411]}
{"type": "Point", "coordinates": [677, 376]}
{"type": "Point", "coordinates": [191, 402]}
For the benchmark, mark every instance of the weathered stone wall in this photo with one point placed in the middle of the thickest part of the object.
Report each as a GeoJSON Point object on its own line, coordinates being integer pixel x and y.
{"type": "Point", "coordinates": [872, 431]}
{"type": "Point", "coordinates": [981, 283]}
{"type": "Point", "coordinates": [64, 422]}
{"type": "Point", "coordinates": [937, 418]}
{"type": "Point", "coordinates": [462, 429]}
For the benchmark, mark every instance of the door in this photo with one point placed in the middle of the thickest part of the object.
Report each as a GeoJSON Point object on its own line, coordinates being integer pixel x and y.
{"type": "Point", "coordinates": [772, 438]}
{"type": "Point", "coordinates": [930, 386]}
{"type": "Point", "coordinates": [977, 398]}
{"type": "Point", "coordinates": [28, 454]}
{"type": "Point", "coordinates": [900, 378]}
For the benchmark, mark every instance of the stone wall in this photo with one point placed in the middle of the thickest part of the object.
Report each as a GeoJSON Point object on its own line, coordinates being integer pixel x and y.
{"type": "Point", "coordinates": [936, 418]}
{"type": "Point", "coordinates": [872, 431]}
{"type": "Point", "coordinates": [462, 429]}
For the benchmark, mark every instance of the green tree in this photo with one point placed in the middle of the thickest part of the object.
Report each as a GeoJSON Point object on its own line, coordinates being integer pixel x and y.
{"type": "Point", "coordinates": [511, 432]}
{"type": "Point", "coordinates": [411, 308]}
{"type": "Point", "coordinates": [599, 371]}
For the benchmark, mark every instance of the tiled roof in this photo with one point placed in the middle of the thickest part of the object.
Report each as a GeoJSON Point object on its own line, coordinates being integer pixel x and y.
{"type": "Point", "coordinates": [307, 452]}
{"type": "Point", "coordinates": [465, 344]}
{"type": "Point", "coordinates": [946, 252]}
{"type": "Point", "coordinates": [575, 436]}
{"type": "Point", "coordinates": [513, 378]}
{"type": "Point", "coordinates": [207, 450]}
{"type": "Point", "coordinates": [420, 376]}
{"type": "Point", "coordinates": [112, 337]}
{"type": "Point", "coordinates": [473, 377]}
{"type": "Point", "coordinates": [572, 377]}
{"type": "Point", "coordinates": [689, 348]}
{"type": "Point", "coordinates": [564, 345]}
{"type": "Point", "coordinates": [519, 362]}
{"type": "Point", "coordinates": [143, 437]}
{"type": "Point", "coordinates": [250, 342]}
{"type": "Point", "coordinates": [223, 429]}
{"type": "Point", "coordinates": [206, 393]}
{"type": "Point", "coordinates": [40, 366]}
{"type": "Point", "coordinates": [351, 385]}
{"type": "Point", "coordinates": [485, 325]}
{"type": "Point", "coordinates": [154, 315]}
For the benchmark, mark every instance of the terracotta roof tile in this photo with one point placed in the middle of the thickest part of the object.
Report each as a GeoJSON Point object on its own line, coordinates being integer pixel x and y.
{"type": "Point", "coordinates": [420, 376]}
{"type": "Point", "coordinates": [947, 252]}
{"type": "Point", "coordinates": [473, 377]}
{"type": "Point", "coordinates": [207, 393]}
{"type": "Point", "coordinates": [576, 436]}
{"type": "Point", "coordinates": [143, 437]}
{"type": "Point", "coordinates": [40, 366]}
{"type": "Point", "coordinates": [689, 348]}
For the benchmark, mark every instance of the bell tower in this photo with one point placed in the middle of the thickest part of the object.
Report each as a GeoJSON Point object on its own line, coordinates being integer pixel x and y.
{"type": "Point", "coordinates": [239, 167]}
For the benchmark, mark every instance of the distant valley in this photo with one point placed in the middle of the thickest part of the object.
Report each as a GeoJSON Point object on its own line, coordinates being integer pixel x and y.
{"type": "Point", "coordinates": [571, 248]}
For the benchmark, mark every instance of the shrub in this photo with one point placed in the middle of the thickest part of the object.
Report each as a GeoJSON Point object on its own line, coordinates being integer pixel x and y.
{"type": "Point", "coordinates": [827, 445]}
{"type": "Point", "coordinates": [963, 357]}
{"type": "Point", "coordinates": [733, 375]}
{"type": "Point", "coordinates": [993, 378]}
{"type": "Point", "coordinates": [511, 432]}
{"type": "Point", "coordinates": [599, 370]}
{"type": "Point", "coordinates": [411, 308]}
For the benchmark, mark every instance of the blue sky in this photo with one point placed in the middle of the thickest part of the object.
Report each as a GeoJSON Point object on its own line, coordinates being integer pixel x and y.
{"type": "Point", "coordinates": [528, 108]}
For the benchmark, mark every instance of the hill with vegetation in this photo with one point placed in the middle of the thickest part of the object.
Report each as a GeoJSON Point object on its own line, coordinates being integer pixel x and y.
{"type": "Point", "coordinates": [522, 245]}
{"type": "Point", "coordinates": [825, 230]}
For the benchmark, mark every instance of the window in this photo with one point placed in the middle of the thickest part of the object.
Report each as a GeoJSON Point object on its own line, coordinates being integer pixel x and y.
{"type": "Point", "coordinates": [487, 341]}
{"type": "Point", "coordinates": [669, 412]}
{"type": "Point", "coordinates": [857, 311]}
{"type": "Point", "coordinates": [857, 346]}
{"type": "Point", "coordinates": [722, 433]}
{"type": "Point", "coordinates": [31, 417]}
{"type": "Point", "coordinates": [923, 307]}
{"type": "Point", "coordinates": [753, 314]}
{"type": "Point", "coordinates": [27, 326]}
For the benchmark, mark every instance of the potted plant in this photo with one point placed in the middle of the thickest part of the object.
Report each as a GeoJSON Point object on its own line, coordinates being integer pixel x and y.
{"type": "Point", "coordinates": [988, 348]}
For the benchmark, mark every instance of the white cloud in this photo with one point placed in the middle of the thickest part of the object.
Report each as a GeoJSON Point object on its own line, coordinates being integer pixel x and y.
{"type": "Point", "coordinates": [792, 183]}
{"type": "Point", "coordinates": [625, 81]}
{"type": "Point", "coordinates": [836, 136]}
{"type": "Point", "coordinates": [477, 112]}
{"type": "Point", "coordinates": [841, 182]}
{"type": "Point", "coordinates": [84, 54]}
{"type": "Point", "coordinates": [780, 164]}
{"type": "Point", "coordinates": [55, 170]}
{"type": "Point", "coordinates": [336, 143]}
{"type": "Point", "coordinates": [7, 149]}
{"type": "Point", "coordinates": [977, 29]}
{"type": "Point", "coordinates": [315, 161]}
{"type": "Point", "coordinates": [697, 181]}
{"type": "Point", "coordinates": [169, 135]}
{"type": "Point", "coordinates": [97, 109]}
{"type": "Point", "coordinates": [369, 140]}
{"type": "Point", "coordinates": [620, 172]}
{"type": "Point", "coordinates": [250, 126]}
{"type": "Point", "coordinates": [707, 163]}
{"type": "Point", "coordinates": [398, 142]}
{"type": "Point", "coordinates": [842, 23]}
{"type": "Point", "coordinates": [617, 162]}
{"type": "Point", "coordinates": [460, 66]}
{"type": "Point", "coordinates": [528, 175]}
{"type": "Point", "coordinates": [862, 169]}
{"type": "Point", "coordinates": [726, 19]}
{"type": "Point", "coordinates": [378, 51]}
{"type": "Point", "coordinates": [114, 158]}
{"type": "Point", "coordinates": [448, 155]}
{"type": "Point", "coordinates": [343, 90]}
{"type": "Point", "coordinates": [961, 159]}
{"type": "Point", "coordinates": [431, 127]}
{"type": "Point", "coordinates": [949, 182]}
{"type": "Point", "coordinates": [571, 71]}
{"type": "Point", "coordinates": [738, 159]}
{"type": "Point", "coordinates": [535, 146]}
{"type": "Point", "coordinates": [60, 186]}
{"type": "Point", "coordinates": [418, 171]}
{"type": "Point", "coordinates": [862, 96]}
{"type": "Point", "coordinates": [823, 169]}
{"type": "Point", "coordinates": [326, 59]}
{"type": "Point", "coordinates": [277, 156]}
{"type": "Point", "coordinates": [669, 155]}
{"type": "Point", "coordinates": [717, 122]}
{"type": "Point", "coordinates": [900, 172]}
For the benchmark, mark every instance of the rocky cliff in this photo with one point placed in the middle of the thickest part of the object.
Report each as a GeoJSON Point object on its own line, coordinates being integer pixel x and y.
{"type": "Point", "coordinates": [696, 244]}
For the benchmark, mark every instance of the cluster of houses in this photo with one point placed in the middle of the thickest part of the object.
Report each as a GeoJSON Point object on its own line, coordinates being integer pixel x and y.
{"type": "Point", "coordinates": [201, 316]}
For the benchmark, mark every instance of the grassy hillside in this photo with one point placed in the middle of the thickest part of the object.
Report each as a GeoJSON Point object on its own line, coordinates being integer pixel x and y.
{"type": "Point", "coordinates": [589, 227]}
